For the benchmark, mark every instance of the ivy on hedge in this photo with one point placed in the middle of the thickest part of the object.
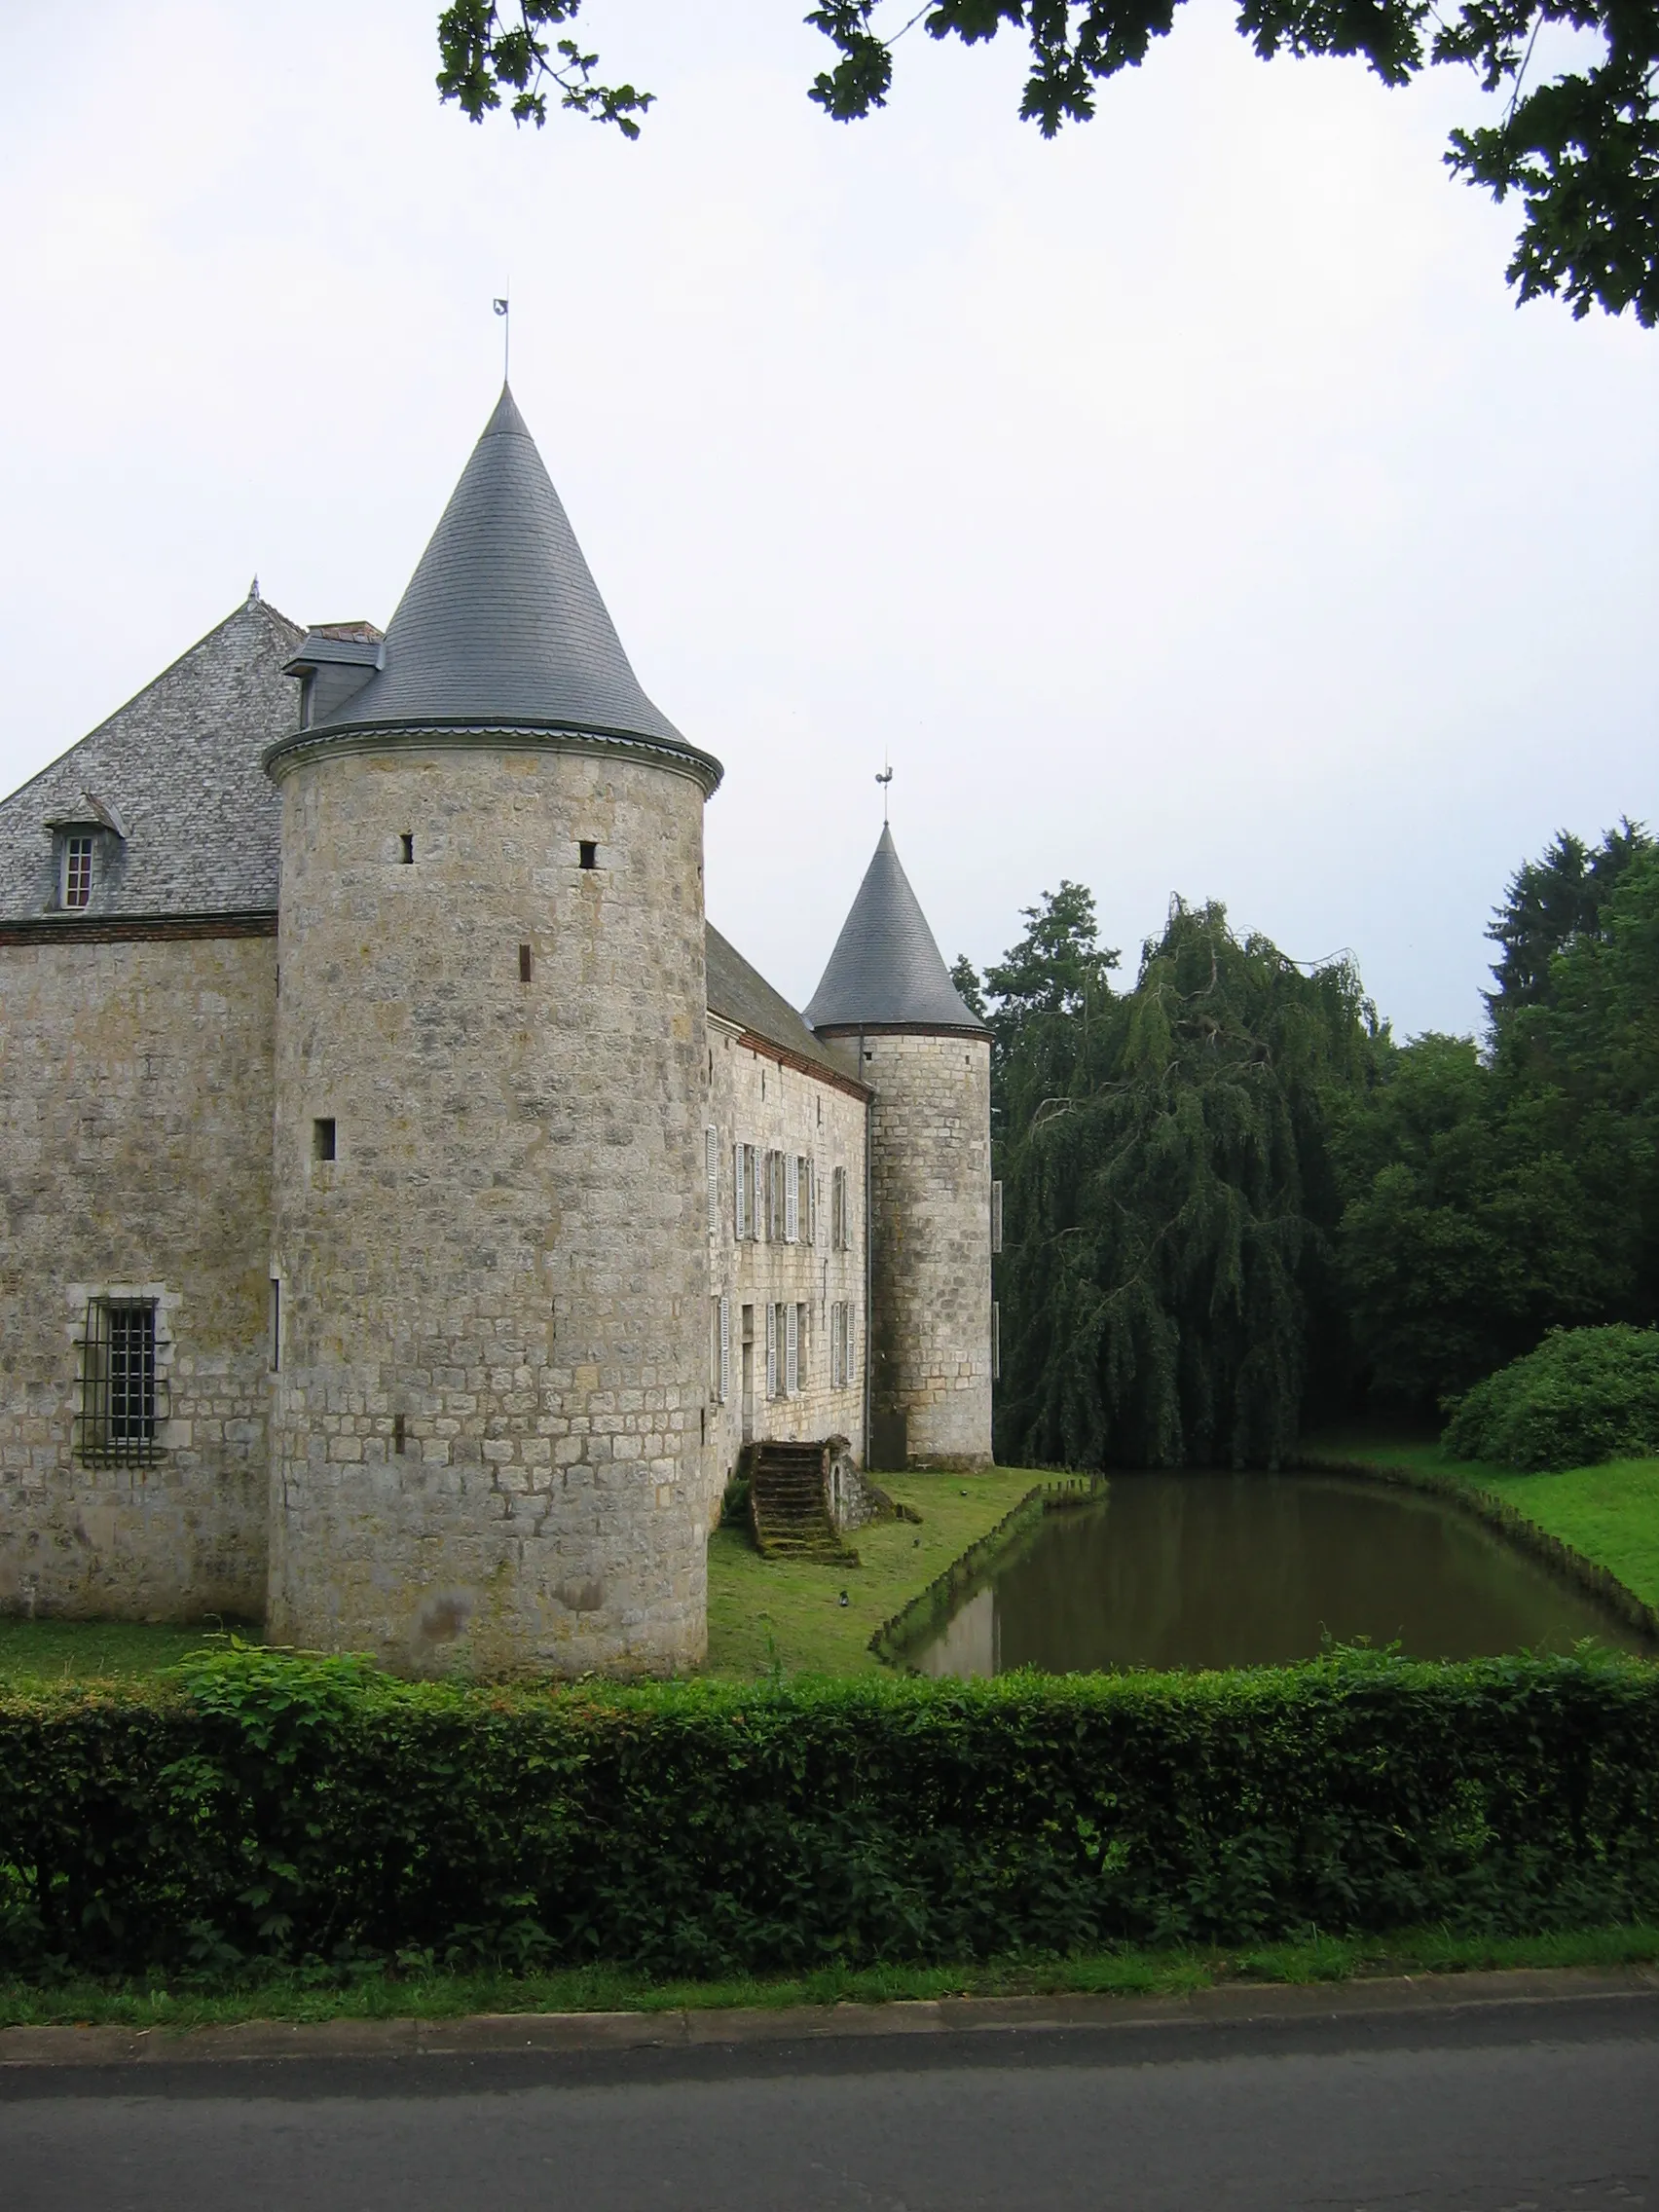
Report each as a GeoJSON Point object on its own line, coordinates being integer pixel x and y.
{"type": "Point", "coordinates": [264, 1807]}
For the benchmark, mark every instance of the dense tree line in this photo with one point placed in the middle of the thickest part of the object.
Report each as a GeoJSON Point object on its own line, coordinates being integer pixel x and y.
{"type": "Point", "coordinates": [1235, 1202]}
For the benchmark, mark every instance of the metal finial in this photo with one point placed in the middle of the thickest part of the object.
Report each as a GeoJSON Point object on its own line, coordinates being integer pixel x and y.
{"type": "Point", "coordinates": [502, 309]}
{"type": "Point", "coordinates": [884, 779]}
{"type": "Point", "coordinates": [253, 591]}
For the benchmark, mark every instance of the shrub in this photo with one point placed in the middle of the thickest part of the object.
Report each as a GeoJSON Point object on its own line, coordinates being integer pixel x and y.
{"type": "Point", "coordinates": [1585, 1395]}
{"type": "Point", "coordinates": [264, 1808]}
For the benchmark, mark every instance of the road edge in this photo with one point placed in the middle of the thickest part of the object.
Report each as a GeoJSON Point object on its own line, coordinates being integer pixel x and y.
{"type": "Point", "coordinates": [489, 2034]}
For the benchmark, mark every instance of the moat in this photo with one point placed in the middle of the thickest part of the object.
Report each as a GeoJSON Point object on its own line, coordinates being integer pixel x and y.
{"type": "Point", "coordinates": [1203, 1571]}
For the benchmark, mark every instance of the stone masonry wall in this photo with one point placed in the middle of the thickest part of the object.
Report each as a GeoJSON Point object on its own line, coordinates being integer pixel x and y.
{"type": "Point", "coordinates": [753, 1099]}
{"type": "Point", "coordinates": [487, 1451]}
{"type": "Point", "coordinates": [135, 1098]}
{"type": "Point", "coordinates": [931, 1216]}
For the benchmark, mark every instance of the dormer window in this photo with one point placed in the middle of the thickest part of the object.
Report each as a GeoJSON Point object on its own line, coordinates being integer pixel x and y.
{"type": "Point", "coordinates": [77, 886]}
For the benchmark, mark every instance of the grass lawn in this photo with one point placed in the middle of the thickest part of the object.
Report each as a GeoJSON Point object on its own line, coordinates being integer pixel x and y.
{"type": "Point", "coordinates": [422, 1995]}
{"type": "Point", "coordinates": [1609, 1513]}
{"type": "Point", "coordinates": [64, 1651]}
{"type": "Point", "coordinates": [762, 1613]}
{"type": "Point", "coordinates": [772, 1612]}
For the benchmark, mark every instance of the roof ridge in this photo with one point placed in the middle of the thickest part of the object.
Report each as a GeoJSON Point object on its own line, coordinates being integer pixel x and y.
{"type": "Point", "coordinates": [289, 630]}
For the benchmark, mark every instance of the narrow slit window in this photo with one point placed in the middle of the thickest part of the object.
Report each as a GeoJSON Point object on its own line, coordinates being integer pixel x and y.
{"type": "Point", "coordinates": [275, 1326]}
{"type": "Point", "coordinates": [77, 871]}
{"type": "Point", "coordinates": [588, 850]}
{"type": "Point", "coordinates": [323, 1138]}
{"type": "Point", "coordinates": [525, 963]}
{"type": "Point", "coordinates": [406, 849]}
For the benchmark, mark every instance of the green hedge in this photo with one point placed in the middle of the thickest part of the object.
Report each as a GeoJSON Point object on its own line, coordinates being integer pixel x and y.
{"type": "Point", "coordinates": [1583, 1397]}
{"type": "Point", "coordinates": [271, 1808]}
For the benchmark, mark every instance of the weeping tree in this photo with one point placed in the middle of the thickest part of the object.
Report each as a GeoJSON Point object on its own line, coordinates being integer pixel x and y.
{"type": "Point", "coordinates": [1168, 1202]}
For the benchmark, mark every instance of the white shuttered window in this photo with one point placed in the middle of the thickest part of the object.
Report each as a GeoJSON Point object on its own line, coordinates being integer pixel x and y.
{"type": "Point", "coordinates": [739, 1193]}
{"type": "Point", "coordinates": [791, 1350]}
{"type": "Point", "coordinates": [792, 1198]}
{"type": "Point", "coordinates": [771, 1350]}
{"type": "Point", "coordinates": [725, 1350]}
{"type": "Point", "coordinates": [711, 1170]}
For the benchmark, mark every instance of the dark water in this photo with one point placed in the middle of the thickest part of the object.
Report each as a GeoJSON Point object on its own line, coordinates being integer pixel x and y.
{"type": "Point", "coordinates": [1237, 1571]}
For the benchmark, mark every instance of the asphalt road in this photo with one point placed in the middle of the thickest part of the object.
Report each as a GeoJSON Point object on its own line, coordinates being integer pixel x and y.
{"type": "Point", "coordinates": [1508, 2108]}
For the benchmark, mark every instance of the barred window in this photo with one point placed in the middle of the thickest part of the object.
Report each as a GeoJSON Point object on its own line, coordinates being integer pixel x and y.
{"type": "Point", "coordinates": [119, 1414]}
{"type": "Point", "coordinates": [77, 871]}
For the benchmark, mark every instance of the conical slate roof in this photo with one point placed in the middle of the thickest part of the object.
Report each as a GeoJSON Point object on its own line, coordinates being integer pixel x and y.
{"type": "Point", "coordinates": [502, 622]}
{"type": "Point", "coordinates": [886, 971]}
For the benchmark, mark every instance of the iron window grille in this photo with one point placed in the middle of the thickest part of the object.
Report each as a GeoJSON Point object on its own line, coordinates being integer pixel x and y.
{"type": "Point", "coordinates": [122, 1395]}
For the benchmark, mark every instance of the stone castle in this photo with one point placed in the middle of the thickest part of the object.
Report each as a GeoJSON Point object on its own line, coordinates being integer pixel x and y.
{"type": "Point", "coordinates": [412, 1204]}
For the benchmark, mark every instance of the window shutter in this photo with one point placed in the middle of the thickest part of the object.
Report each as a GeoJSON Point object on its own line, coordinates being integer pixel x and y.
{"type": "Point", "coordinates": [996, 1217]}
{"type": "Point", "coordinates": [725, 1350]}
{"type": "Point", "coordinates": [771, 1350]}
{"type": "Point", "coordinates": [791, 1350]}
{"type": "Point", "coordinates": [811, 1168]}
{"type": "Point", "coordinates": [738, 1224]}
{"type": "Point", "coordinates": [792, 1198]}
{"type": "Point", "coordinates": [712, 1168]}
{"type": "Point", "coordinates": [852, 1342]}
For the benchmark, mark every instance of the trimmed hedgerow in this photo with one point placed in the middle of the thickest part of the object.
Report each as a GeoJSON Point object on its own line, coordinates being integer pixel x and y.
{"type": "Point", "coordinates": [1584, 1396]}
{"type": "Point", "coordinates": [267, 1808]}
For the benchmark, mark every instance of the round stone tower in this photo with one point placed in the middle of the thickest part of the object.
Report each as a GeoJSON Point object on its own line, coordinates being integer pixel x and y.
{"type": "Point", "coordinates": [930, 1198]}
{"type": "Point", "coordinates": [488, 1274]}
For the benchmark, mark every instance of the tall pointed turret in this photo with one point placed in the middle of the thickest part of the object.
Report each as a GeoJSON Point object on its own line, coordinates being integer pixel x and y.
{"type": "Point", "coordinates": [927, 1057]}
{"type": "Point", "coordinates": [491, 1065]}
{"type": "Point", "coordinates": [886, 966]}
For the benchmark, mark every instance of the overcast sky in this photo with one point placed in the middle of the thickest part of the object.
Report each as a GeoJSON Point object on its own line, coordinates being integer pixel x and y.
{"type": "Point", "coordinates": [1183, 506]}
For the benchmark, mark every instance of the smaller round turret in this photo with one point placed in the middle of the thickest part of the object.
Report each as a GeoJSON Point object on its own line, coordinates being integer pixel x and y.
{"type": "Point", "coordinates": [929, 1060]}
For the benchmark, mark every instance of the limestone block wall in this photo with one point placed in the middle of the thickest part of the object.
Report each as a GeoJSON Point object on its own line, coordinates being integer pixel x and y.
{"type": "Point", "coordinates": [487, 1449]}
{"type": "Point", "coordinates": [931, 1255]}
{"type": "Point", "coordinates": [754, 1098]}
{"type": "Point", "coordinates": [135, 1100]}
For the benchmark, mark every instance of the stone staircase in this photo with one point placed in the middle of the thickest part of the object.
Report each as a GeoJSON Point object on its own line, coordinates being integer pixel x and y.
{"type": "Point", "coordinates": [788, 1511]}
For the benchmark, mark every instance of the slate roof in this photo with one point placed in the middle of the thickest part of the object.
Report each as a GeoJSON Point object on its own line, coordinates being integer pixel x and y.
{"type": "Point", "coordinates": [502, 622]}
{"type": "Point", "coordinates": [742, 994]}
{"type": "Point", "coordinates": [886, 971]}
{"type": "Point", "coordinates": [177, 769]}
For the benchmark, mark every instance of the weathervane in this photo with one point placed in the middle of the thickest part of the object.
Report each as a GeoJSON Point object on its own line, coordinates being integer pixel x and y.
{"type": "Point", "coordinates": [500, 308]}
{"type": "Point", "coordinates": [884, 779]}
